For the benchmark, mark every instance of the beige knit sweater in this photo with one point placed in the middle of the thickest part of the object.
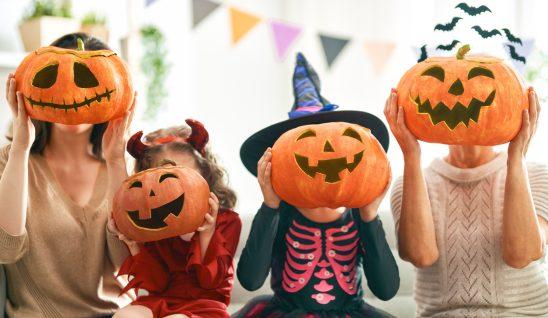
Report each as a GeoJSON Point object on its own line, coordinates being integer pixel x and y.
{"type": "Point", "coordinates": [64, 265]}
{"type": "Point", "coordinates": [470, 279]}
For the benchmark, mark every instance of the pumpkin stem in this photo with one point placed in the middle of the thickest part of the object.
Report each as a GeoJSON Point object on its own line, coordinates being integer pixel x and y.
{"type": "Point", "coordinates": [80, 44]}
{"type": "Point", "coordinates": [462, 51]}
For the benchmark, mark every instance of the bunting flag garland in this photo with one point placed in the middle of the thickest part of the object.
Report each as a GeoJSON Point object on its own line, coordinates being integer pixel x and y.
{"type": "Point", "coordinates": [149, 2]}
{"type": "Point", "coordinates": [379, 54]}
{"type": "Point", "coordinates": [201, 9]}
{"type": "Point", "coordinates": [285, 35]}
{"type": "Point", "coordinates": [241, 22]}
{"type": "Point", "coordinates": [332, 47]}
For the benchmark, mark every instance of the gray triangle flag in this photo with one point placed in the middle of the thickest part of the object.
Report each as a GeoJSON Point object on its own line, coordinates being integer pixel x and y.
{"type": "Point", "coordinates": [332, 47]}
{"type": "Point", "coordinates": [201, 9]}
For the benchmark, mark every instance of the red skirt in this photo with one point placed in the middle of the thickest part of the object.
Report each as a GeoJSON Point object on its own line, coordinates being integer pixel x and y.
{"type": "Point", "coordinates": [199, 308]}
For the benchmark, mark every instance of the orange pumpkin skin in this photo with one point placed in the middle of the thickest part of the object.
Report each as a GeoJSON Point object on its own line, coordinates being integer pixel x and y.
{"type": "Point", "coordinates": [148, 205]}
{"type": "Point", "coordinates": [496, 124]}
{"type": "Point", "coordinates": [57, 96]}
{"type": "Point", "coordinates": [344, 166]}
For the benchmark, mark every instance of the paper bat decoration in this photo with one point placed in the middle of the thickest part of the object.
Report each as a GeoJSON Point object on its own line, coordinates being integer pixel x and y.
{"type": "Point", "coordinates": [486, 33]}
{"type": "Point", "coordinates": [424, 54]}
{"type": "Point", "coordinates": [511, 37]}
{"type": "Point", "coordinates": [448, 47]}
{"type": "Point", "coordinates": [472, 10]}
{"type": "Point", "coordinates": [448, 26]}
{"type": "Point", "coordinates": [515, 55]}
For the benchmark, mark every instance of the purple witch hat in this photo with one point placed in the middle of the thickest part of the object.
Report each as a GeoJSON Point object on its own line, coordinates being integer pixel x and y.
{"type": "Point", "coordinates": [306, 89]}
{"type": "Point", "coordinates": [308, 108]}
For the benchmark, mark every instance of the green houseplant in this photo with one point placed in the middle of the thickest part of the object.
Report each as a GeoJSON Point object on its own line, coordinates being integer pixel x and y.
{"type": "Point", "coordinates": [155, 68]}
{"type": "Point", "coordinates": [44, 21]}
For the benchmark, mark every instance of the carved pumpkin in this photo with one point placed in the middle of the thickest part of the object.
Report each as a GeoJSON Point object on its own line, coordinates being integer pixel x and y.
{"type": "Point", "coordinates": [462, 100]}
{"type": "Point", "coordinates": [74, 86]}
{"type": "Point", "coordinates": [159, 203]}
{"type": "Point", "coordinates": [329, 165]}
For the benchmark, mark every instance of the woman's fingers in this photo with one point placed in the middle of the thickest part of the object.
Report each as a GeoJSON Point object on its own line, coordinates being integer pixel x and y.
{"type": "Point", "coordinates": [21, 111]}
{"type": "Point", "coordinates": [8, 83]}
{"type": "Point", "coordinates": [12, 96]}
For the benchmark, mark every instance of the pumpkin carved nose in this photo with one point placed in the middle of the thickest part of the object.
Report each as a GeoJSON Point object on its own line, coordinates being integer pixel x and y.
{"type": "Point", "coordinates": [151, 194]}
{"type": "Point", "coordinates": [327, 147]}
{"type": "Point", "coordinates": [457, 88]}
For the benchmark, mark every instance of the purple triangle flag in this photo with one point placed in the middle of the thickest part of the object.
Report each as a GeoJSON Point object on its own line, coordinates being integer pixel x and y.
{"type": "Point", "coordinates": [149, 2]}
{"type": "Point", "coordinates": [285, 34]}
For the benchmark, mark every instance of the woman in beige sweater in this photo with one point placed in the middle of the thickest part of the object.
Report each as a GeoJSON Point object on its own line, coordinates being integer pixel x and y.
{"type": "Point", "coordinates": [474, 225]}
{"type": "Point", "coordinates": [59, 256]}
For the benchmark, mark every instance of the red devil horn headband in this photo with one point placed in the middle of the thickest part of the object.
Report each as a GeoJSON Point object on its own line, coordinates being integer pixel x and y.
{"type": "Point", "coordinates": [198, 140]}
{"type": "Point", "coordinates": [198, 137]}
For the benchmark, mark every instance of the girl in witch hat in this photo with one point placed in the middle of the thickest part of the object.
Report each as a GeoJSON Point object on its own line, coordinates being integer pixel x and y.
{"type": "Point", "coordinates": [189, 275]}
{"type": "Point", "coordinates": [281, 231]}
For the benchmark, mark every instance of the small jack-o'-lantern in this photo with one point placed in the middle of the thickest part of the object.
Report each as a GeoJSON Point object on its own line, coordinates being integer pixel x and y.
{"type": "Point", "coordinates": [329, 165]}
{"type": "Point", "coordinates": [462, 100]}
{"type": "Point", "coordinates": [159, 203]}
{"type": "Point", "coordinates": [74, 86]}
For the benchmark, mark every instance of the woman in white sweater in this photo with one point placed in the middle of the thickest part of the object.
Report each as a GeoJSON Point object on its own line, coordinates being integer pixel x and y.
{"type": "Point", "coordinates": [473, 224]}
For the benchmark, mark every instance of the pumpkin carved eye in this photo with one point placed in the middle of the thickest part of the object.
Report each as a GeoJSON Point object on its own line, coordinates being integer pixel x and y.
{"type": "Point", "coordinates": [436, 72]}
{"type": "Point", "coordinates": [136, 184]}
{"type": "Point", "coordinates": [167, 176]}
{"type": "Point", "coordinates": [350, 132]}
{"type": "Point", "coordinates": [83, 77]}
{"type": "Point", "coordinates": [46, 77]}
{"type": "Point", "coordinates": [480, 71]}
{"type": "Point", "coordinates": [306, 134]}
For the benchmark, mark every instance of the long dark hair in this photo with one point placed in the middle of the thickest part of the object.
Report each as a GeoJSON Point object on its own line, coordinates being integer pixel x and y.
{"type": "Point", "coordinates": [43, 129]}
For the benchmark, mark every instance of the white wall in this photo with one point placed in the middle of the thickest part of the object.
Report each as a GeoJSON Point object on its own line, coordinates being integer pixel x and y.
{"type": "Point", "coordinates": [237, 90]}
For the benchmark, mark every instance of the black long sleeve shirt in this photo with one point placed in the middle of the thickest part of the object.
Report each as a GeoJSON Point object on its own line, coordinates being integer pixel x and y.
{"type": "Point", "coordinates": [317, 266]}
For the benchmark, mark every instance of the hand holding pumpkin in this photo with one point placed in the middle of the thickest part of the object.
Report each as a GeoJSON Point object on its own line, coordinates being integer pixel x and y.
{"type": "Point", "coordinates": [132, 246]}
{"type": "Point", "coordinates": [395, 116]}
{"type": "Point", "coordinates": [23, 128]}
{"type": "Point", "coordinates": [116, 135]}
{"type": "Point", "coordinates": [519, 145]}
{"type": "Point", "coordinates": [264, 171]}
{"type": "Point", "coordinates": [370, 211]}
{"type": "Point", "coordinates": [208, 227]}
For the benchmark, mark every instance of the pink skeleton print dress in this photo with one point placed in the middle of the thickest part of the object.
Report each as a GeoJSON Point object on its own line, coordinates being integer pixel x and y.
{"type": "Point", "coordinates": [316, 268]}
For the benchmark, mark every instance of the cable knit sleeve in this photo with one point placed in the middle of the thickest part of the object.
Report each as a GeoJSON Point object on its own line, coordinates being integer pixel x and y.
{"type": "Point", "coordinates": [12, 247]}
{"type": "Point", "coordinates": [396, 200]}
{"type": "Point", "coordinates": [538, 180]}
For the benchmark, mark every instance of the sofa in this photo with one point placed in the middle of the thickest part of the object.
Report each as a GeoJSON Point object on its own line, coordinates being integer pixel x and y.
{"type": "Point", "coordinates": [402, 305]}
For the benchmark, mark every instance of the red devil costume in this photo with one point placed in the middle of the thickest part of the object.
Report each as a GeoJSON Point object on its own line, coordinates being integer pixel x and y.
{"type": "Point", "coordinates": [316, 268]}
{"type": "Point", "coordinates": [172, 270]}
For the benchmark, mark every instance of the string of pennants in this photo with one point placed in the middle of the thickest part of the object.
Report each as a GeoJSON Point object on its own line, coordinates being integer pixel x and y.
{"type": "Point", "coordinates": [285, 35]}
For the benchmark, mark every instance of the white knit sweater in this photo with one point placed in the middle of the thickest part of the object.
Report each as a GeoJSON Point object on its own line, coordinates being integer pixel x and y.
{"type": "Point", "coordinates": [470, 279]}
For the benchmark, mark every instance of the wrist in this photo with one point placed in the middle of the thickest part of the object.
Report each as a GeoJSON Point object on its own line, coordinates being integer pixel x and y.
{"type": "Point", "coordinates": [368, 214]}
{"type": "Point", "coordinates": [412, 159]}
{"type": "Point", "coordinates": [273, 204]}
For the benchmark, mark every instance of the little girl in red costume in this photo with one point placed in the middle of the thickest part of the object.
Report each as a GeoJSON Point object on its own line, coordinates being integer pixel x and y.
{"type": "Point", "coordinates": [189, 275]}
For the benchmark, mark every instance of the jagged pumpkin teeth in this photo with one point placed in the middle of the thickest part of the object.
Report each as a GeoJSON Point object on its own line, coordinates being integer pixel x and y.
{"type": "Point", "coordinates": [74, 86]}
{"type": "Point", "coordinates": [464, 100]}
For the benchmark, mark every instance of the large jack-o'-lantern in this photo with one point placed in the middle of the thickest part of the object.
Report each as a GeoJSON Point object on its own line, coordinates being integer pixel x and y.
{"type": "Point", "coordinates": [331, 165]}
{"type": "Point", "coordinates": [463, 100]}
{"type": "Point", "coordinates": [74, 86]}
{"type": "Point", "coordinates": [159, 203]}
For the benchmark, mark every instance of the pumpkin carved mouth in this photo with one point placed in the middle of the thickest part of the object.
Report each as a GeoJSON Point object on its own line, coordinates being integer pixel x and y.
{"type": "Point", "coordinates": [75, 105]}
{"type": "Point", "coordinates": [158, 215]}
{"type": "Point", "coordinates": [456, 115]}
{"type": "Point", "coordinates": [330, 167]}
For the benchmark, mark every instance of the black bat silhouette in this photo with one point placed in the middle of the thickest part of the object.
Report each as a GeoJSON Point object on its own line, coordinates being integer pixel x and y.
{"type": "Point", "coordinates": [448, 47]}
{"type": "Point", "coordinates": [515, 55]}
{"type": "Point", "coordinates": [486, 33]}
{"type": "Point", "coordinates": [448, 26]}
{"type": "Point", "coordinates": [472, 10]}
{"type": "Point", "coordinates": [424, 54]}
{"type": "Point", "coordinates": [511, 37]}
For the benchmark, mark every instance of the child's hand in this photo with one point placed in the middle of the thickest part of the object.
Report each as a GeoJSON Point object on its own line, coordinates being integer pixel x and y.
{"type": "Point", "coordinates": [369, 212]}
{"type": "Point", "coordinates": [208, 227]}
{"type": "Point", "coordinates": [116, 135]}
{"type": "Point", "coordinates": [133, 246]}
{"type": "Point", "coordinates": [23, 128]}
{"type": "Point", "coordinates": [264, 169]}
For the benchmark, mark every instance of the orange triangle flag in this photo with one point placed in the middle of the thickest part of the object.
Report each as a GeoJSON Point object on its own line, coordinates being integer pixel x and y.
{"type": "Point", "coordinates": [242, 22]}
{"type": "Point", "coordinates": [379, 53]}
